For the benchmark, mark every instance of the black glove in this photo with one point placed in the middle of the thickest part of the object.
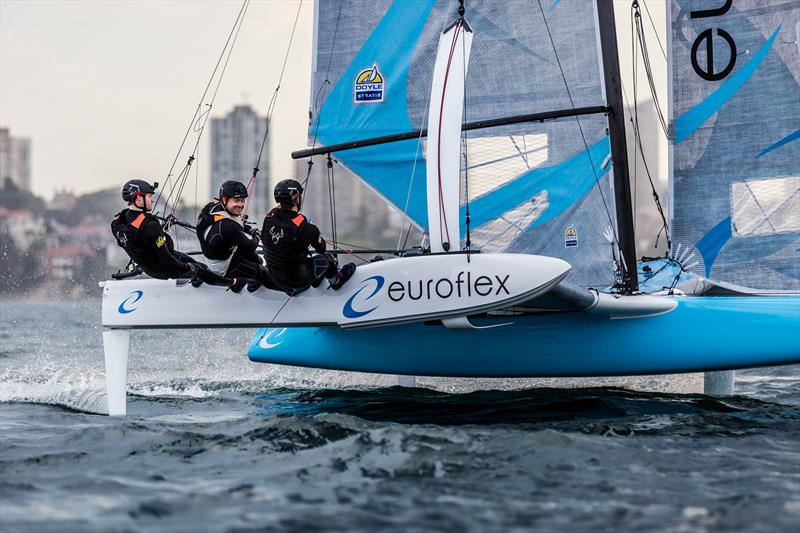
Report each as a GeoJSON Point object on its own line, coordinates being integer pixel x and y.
{"type": "Point", "coordinates": [192, 270]}
{"type": "Point", "coordinates": [196, 268]}
{"type": "Point", "coordinates": [257, 234]}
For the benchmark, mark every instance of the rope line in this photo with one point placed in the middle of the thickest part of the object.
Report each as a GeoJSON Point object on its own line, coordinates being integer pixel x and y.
{"type": "Point", "coordinates": [580, 128]}
{"type": "Point", "coordinates": [270, 110]}
{"type": "Point", "coordinates": [231, 34]}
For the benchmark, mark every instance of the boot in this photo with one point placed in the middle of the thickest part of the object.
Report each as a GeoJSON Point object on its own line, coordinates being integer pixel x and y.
{"type": "Point", "coordinates": [345, 273]}
{"type": "Point", "coordinates": [196, 282]}
{"type": "Point", "coordinates": [253, 285]}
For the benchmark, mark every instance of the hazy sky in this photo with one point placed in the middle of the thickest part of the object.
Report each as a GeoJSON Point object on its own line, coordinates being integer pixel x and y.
{"type": "Point", "coordinates": [106, 90]}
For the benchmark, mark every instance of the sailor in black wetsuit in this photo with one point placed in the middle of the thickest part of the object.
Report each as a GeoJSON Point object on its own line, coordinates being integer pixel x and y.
{"type": "Point", "coordinates": [140, 234]}
{"type": "Point", "coordinates": [287, 236]}
{"type": "Point", "coordinates": [229, 244]}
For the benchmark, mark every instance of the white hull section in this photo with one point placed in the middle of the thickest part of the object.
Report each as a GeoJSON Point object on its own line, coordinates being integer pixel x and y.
{"type": "Point", "coordinates": [382, 293]}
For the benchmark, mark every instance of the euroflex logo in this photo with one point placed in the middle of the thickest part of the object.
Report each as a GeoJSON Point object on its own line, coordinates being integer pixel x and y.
{"type": "Point", "coordinates": [461, 285]}
{"type": "Point", "coordinates": [369, 86]}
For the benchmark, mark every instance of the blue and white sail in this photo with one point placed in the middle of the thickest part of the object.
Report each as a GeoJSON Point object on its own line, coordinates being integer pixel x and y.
{"type": "Point", "coordinates": [735, 146]}
{"type": "Point", "coordinates": [538, 188]}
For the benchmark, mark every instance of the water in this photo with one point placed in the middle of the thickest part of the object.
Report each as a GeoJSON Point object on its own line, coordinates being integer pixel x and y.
{"type": "Point", "coordinates": [215, 443]}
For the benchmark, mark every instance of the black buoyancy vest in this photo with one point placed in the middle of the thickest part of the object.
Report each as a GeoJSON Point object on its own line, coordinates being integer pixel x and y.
{"type": "Point", "coordinates": [125, 227]}
{"type": "Point", "coordinates": [212, 212]}
{"type": "Point", "coordinates": [281, 239]}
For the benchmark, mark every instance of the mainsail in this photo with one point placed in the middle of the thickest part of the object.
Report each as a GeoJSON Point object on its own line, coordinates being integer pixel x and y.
{"type": "Point", "coordinates": [735, 95]}
{"type": "Point", "coordinates": [541, 187]}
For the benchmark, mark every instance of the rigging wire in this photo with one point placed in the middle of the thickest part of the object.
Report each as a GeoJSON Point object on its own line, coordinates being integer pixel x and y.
{"type": "Point", "coordinates": [580, 128]}
{"type": "Point", "coordinates": [467, 219]}
{"type": "Point", "coordinates": [655, 31]}
{"type": "Point", "coordinates": [642, 41]}
{"type": "Point", "coordinates": [205, 116]}
{"type": "Point", "coordinates": [231, 35]}
{"type": "Point", "coordinates": [200, 127]}
{"type": "Point", "coordinates": [637, 29]}
{"type": "Point", "coordinates": [319, 97]}
{"type": "Point", "coordinates": [270, 110]}
{"type": "Point", "coordinates": [332, 200]}
{"type": "Point", "coordinates": [417, 151]}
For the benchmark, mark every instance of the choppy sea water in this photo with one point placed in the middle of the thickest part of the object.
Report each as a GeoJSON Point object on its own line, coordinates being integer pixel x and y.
{"type": "Point", "coordinates": [215, 443]}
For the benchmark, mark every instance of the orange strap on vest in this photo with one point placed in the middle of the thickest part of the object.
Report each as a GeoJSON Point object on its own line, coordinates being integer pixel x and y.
{"type": "Point", "coordinates": [138, 221]}
{"type": "Point", "coordinates": [298, 220]}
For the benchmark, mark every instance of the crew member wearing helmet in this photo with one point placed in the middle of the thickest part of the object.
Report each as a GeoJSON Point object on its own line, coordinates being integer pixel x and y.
{"type": "Point", "coordinates": [229, 244]}
{"type": "Point", "coordinates": [287, 236]}
{"type": "Point", "coordinates": [140, 234]}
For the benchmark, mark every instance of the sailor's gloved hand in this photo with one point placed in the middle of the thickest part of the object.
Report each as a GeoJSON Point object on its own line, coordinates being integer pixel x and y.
{"type": "Point", "coordinates": [195, 269]}
{"type": "Point", "coordinates": [257, 234]}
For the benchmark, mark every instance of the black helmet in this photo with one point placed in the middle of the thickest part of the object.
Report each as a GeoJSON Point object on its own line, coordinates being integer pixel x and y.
{"type": "Point", "coordinates": [232, 189]}
{"type": "Point", "coordinates": [133, 188]}
{"type": "Point", "coordinates": [286, 191]}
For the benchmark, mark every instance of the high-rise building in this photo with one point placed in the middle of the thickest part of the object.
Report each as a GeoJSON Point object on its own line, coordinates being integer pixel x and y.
{"type": "Point", "coordinates": [15, 160]}
{"type": "Point", "coordinates": [235, 143]}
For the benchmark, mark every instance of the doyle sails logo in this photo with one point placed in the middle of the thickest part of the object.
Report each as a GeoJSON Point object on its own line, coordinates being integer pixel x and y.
{"type": "Point", "coordinates": [125, 306]}
{"type": "Point", "coordinates": [570, 237]}
{"type": "Point", "coordinates": [369, 86]}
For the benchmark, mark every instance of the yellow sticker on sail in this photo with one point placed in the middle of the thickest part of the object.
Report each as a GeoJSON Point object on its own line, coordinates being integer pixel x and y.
{"type": "Point", "coordinates": [570, 237]}
{"type": "Point", "coordinates": [369, 86]}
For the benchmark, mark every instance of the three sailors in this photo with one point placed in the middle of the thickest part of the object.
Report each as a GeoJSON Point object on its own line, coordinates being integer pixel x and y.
{"type": "Point", "coordinates": [229, 244]}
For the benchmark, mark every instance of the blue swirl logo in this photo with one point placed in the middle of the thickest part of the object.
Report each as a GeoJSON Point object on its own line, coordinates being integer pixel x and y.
{"type": "Point", "coordinates": [134, 297]}
{"type": "Point", "coordinates": [272, 337]}
{"type": "Point", "coordinates": [349, 312]}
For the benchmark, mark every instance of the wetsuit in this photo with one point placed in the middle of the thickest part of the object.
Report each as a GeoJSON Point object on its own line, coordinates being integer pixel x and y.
{"type": "Point", "coordinates": [141, 236]}
{"type": "Point", "coordinates": [230, 246]}
{"type": "Point", "coordinates": [287, 236]}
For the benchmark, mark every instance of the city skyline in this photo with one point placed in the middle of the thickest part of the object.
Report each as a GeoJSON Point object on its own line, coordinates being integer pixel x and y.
{"type": "Point", "coordinates": [112, 102]}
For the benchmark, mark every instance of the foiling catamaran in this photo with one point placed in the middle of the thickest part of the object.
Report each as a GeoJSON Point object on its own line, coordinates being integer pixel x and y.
{"type": "Point", "coordinates": [530, 268]}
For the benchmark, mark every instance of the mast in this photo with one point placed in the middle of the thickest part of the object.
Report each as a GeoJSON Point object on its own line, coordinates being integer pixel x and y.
{"type": "Point", "coordinates": [619, 147]}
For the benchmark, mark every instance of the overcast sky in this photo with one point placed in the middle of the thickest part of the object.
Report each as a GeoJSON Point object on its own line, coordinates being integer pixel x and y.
{"type": "Point", "coordinates": [106, 90]}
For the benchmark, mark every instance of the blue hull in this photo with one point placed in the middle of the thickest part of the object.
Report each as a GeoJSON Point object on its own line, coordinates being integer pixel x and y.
{"type": "Point", "coordinates": [700, 334]}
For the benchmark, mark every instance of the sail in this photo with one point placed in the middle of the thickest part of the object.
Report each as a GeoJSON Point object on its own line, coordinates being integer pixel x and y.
{"type": "Point", "coordinates": [541, 187]}
{"type": "Point", "coordinates": [735, 114]}
{"type": "Point", "coordinates": [443, 148]}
